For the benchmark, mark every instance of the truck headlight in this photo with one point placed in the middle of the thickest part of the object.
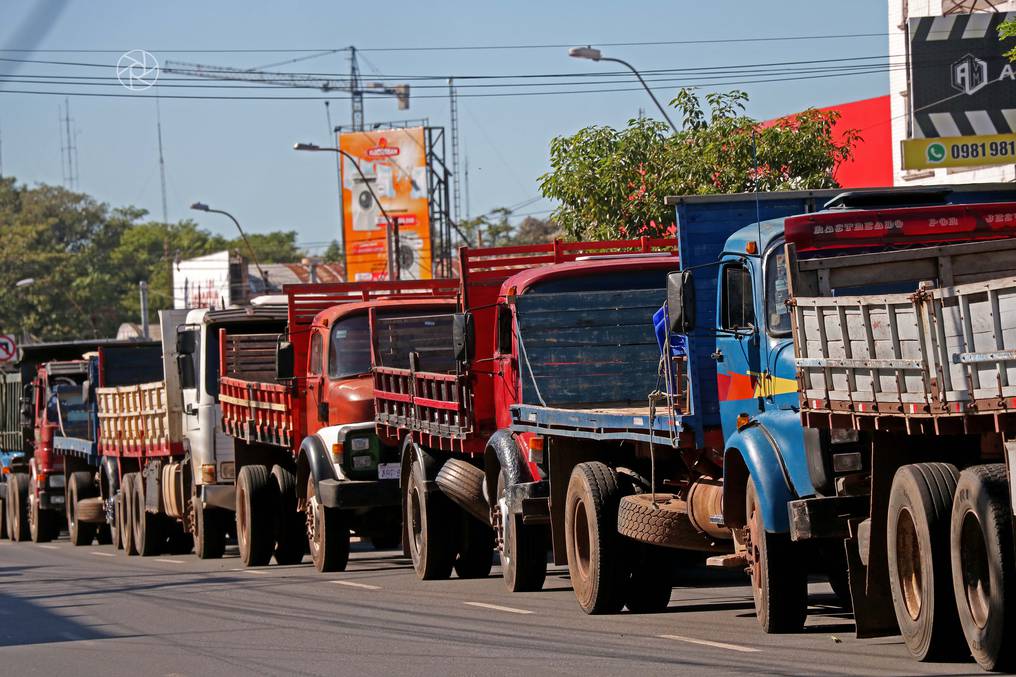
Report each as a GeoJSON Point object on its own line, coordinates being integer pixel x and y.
{"type": "Point", "coordinates": [359, 444]}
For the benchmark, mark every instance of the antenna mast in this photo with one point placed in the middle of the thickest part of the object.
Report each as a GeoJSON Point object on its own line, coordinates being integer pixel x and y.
{"type": "Point", "coordinates": [453, 105]}
{"type": "Point", "coordinates": [162, 160]}
{"type": "Point", "coordinates": [356, 91]}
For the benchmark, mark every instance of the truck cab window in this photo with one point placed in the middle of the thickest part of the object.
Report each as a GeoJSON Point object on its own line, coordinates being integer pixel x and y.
{"type": "Point", "coordinates": [504, 329]}
{"type": "Point", "coordinates": [738, 310]}
{"type": "Point", "coordinates": [777, 293]}
{"type": "Point", "coordinates": [316, 352]}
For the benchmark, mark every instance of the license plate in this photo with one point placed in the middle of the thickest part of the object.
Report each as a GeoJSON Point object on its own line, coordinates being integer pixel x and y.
{"type": "Point", "coordinates": [389, 471]}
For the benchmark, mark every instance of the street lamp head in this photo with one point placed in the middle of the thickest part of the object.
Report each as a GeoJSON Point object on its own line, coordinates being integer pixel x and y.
{"type": "Point", "coordinates": [200, 206]}
{"type": "Point", "coordinates": [306, 146]}
{"type": "Point", "coordinates": [586, 52]}
{"type": "Point", "coordinates": [26, 282]}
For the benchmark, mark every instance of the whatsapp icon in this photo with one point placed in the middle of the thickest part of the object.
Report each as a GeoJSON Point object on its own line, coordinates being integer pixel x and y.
{"type": "Point", "coordinates": [936, 152]}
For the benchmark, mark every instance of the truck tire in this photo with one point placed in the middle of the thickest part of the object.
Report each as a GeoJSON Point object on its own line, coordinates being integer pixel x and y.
{"type": "Point", "coordinates": [779, 579]}
{"type": "Point", "coordinates": [652, 580]}
{"type": "Point", "coordinates": [79, 486]}
{"type": "Point", "coordinates": [597, 556]}
{"type": "Point", "coordinates": [255, 525]}
{"type": "Point", "coordinates": [430, 527]}
{"type": "Point", "coordinates": [462, 482]}
{"type": "Point", "coordinates": [522, 547]}
{"type": "Point", "coordinates": [103, 534]}
{"type": "Point", "coordinates": [983, 570]}
{"type": "Point", "coordinates": [476, 552]}
{"type": "Point", "coordinates": [126, 512]}
{"type": "Point", "coordinates": [43, 525]}
{"type": "Point", "coordinates": [149, 534]}
{"type": "Point", "coordinates": [209, 529]}
{"type": "Point", "coordinates": [17, 507]}
{"type": "Point", "coordinates": [290, 531]}
{"type": "Point", "coordinates": [327, 533]}
{"type": "Point", "coordinates": [920, 577]}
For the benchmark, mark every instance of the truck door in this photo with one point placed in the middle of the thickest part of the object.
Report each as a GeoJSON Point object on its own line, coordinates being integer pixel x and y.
{"type": "Point", "coordinates": [506, 378]}
{"type": "Point", "coordinates": [738, 367]}
{"type": "Point", "coordinates": [317, 402]}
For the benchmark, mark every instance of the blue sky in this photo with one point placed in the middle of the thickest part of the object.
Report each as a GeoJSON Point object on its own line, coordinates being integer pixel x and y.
{"type": "Point", "coordinates": [237, 155]}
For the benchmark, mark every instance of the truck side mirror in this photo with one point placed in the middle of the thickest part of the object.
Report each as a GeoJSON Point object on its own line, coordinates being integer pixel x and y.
{"type": "Point", "coordinates": [185, 368]}
{"type": "Point", "coordinates": [284, 361]}
{"type": "Point", "coordinates": [681, 301]}
{"type": "Point", "coordinates": [463, 336]}
{"type": "Point", "coordinates": [186, 342]}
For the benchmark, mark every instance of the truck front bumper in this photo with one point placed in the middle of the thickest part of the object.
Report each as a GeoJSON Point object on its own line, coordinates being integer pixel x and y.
{"type": "Point", "coordinates": [825, 517]}
{"type": "Point", "coordinates": [359, 493]}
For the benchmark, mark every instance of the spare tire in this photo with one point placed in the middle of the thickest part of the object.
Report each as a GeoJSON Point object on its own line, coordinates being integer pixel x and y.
{"type": "Point", "coordinates": [462, 482]}
{"type": "Point", "coordinates": [664, 522]}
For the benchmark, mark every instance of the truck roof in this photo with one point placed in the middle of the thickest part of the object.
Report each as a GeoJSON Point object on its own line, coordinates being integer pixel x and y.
{"type": "Point", "coordinates": [528, 278]}
{"type": "Point", "coordinates": [331, 315]}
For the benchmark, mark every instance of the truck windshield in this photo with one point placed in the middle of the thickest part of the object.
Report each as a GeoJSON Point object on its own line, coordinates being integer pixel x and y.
{"type": "Point", "coordinates": [777, 292]}
{"type": "Point", "coordinates": [349, 347]}
{"type": "Point", "coordinates": [68, 411]}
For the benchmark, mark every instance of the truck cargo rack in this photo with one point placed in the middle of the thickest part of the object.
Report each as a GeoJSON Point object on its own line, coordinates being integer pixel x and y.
{"type": "Point", "coordinates": [139, 421]}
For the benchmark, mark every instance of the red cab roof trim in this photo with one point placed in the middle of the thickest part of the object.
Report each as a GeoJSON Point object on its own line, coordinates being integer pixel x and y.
{"type": "Point", "coordinates": [850, 229]}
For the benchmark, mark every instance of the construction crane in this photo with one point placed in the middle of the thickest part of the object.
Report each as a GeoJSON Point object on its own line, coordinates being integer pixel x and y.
{"type": "Point", "coordinates": [353, 84]}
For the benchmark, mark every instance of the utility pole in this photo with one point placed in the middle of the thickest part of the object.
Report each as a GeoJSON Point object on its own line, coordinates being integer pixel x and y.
{"type": "Point", "coordinates": [338, 179]}
{"type": "Point", "coordinates": [162, 160]}
{"type": "Point", "coordinates": [453, 114]}
{"type": "Point", "coordinates": [356, 91]}
{"type": "Point", "coordinates": [143, 288]}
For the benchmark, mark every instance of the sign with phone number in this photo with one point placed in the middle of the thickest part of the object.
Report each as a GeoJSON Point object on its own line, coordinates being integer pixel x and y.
{"type": "Point", "coordinates": [959, 151]}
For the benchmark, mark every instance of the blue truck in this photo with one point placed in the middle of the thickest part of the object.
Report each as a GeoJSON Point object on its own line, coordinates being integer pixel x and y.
{"type": "Point", "coordinates": [724, 433]}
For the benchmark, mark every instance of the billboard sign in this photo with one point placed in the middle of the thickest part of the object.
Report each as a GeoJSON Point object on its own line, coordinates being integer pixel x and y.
{"type": "Point", "coordinates": [959, 151]}
{"type": "Point", "coordinates": [204, 282]}
{"type": "Point", "coordinates": [394, 164]}
{"type": "Point", "coordinates": [961, 82]}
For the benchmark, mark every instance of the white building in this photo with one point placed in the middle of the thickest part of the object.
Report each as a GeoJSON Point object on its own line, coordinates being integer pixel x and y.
{"type": "Point", "coordinates": [900, 11]}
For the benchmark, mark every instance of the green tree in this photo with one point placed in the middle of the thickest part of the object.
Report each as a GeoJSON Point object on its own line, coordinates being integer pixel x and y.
{"type": "Point", "coordinates": [612, 183]}
{"type": "Point", "coordinates": [275, 247]}
{"type": "Point", "coordinates": [334, 253]}
{"type": "Point", "coordinates": [1007, 29]}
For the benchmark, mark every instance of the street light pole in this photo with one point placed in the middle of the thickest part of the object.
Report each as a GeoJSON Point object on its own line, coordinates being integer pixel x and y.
{"type": "Point", "coordinates": [393, 225]}
{"type": "Point", "coordinates": [202, 207]}
{"type": "Point", "coordinates": [594, 54]}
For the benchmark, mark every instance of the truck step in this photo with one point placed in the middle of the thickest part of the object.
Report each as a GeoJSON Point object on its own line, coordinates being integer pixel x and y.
{"type": "Point", "coordinates": [731, 561]}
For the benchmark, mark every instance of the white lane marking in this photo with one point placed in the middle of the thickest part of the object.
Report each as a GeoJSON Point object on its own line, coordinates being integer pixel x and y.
{"type": "Point", "coordinates": [495, 607]}
{"type": "Point", "coordinates": [255, 571]}
{"type": "Point", "coordinates": [716, 645]}
{"type": "Point", "coordinates": [102, 554]}
{"type": "Point", "coordinates": [168, 561]}
{"type": "Point", "coordinates": [50, 547]}
{"type": "Point", "coordinates": [357, 585]}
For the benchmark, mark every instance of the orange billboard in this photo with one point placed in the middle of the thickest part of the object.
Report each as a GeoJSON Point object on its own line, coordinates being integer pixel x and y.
{"type": "Point", "coordinates": [394, 166]}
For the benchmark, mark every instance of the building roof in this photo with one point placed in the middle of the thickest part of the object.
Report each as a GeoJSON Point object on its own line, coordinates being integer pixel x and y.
{"type": "Point", "coordinates": [280, 274]}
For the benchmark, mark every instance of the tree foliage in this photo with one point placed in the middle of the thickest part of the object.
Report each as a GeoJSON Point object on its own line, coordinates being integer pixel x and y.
{"type": "Point", "coordinates": [495, 229]}
{"type": "Point", "coordinates": [612, 183]}
{"type": "Point", "coordinates": [1007, 29]}
{"type": "Point", "coordinates": [87, 258]}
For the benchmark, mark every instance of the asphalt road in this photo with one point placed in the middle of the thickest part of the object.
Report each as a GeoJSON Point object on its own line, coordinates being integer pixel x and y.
{"type": "Point", "coordinates": [87, 611]}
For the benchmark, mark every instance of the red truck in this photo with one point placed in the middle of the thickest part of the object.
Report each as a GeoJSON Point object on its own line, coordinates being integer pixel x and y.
{"type": "Point", "coordinates": [311, 468]}
{"type": "Point", "coordinates": [459, 454]}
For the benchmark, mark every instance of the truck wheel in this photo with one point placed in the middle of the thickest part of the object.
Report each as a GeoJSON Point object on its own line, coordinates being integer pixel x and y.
{"type": "Point", "coordinates": [597, 557]}
{"type": "Point", "coordinates": [290, 534]}
{"type": "Point", "coordinates": [430, 528]}
{"type": "Point", "coordinates": [42, 524]}
{"type": "Point", "coordinates": [462, 482]}
{"type": "Point", "coordinates": [920, 503]}
{"type": "Point", "coordinates": [476, 552]}
{"type": "Point", "coordinates": [652, 580]}
{"type": "Point", "coordinates": [148, 528]}
{"type": "Point", "coordinates": [126, 512]}
{"type": "Point", "coordinates": [327, 533]}
{"type": "Point", "coordinates": [17, 507]}
{"type": "Point", "coordinates": [104, 534]}
{"type": "Point", "coordinates": [208, 527]}
{"type": "Point", "coordinates": [522, 548]}
{"type": "Point", "coordinates": [983, 570]}
{"type": "Point", "coordinates": [779, 579]}
{"type": "Point", "coordinates": [79, 486]}
{"type": "Point", "coordinates": [254, 520]}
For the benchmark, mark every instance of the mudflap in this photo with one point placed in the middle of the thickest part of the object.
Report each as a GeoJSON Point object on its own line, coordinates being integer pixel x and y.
{"type": "Point", "coordinates": [870, 595]}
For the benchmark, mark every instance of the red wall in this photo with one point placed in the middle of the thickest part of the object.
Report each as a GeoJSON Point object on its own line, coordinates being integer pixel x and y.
{"type": "Point", "coordinates": [872, 164]}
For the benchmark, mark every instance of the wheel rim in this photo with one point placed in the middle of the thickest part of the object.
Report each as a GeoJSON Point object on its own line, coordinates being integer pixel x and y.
{"type": "Point", "coordinates": [908, 563]}
{"type": "Point", "coordinates": [416, 517]}
{"type": "Point", "coordinates": [241, 519]}
{"type": "Point", "coordinates": [974, 563]}
{"type": "Point", "coordinates": [581, 539]}
{"type": "Point", "coordinates": [313, 522]}
{"type": "Point", "coordinates": [503, 532]}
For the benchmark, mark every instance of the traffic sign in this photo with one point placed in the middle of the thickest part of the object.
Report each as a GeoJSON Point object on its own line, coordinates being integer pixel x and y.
{"type": "Point", "coordinates": [8, 348]}
{"type": "Point", "coordinates": [959, 151]}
